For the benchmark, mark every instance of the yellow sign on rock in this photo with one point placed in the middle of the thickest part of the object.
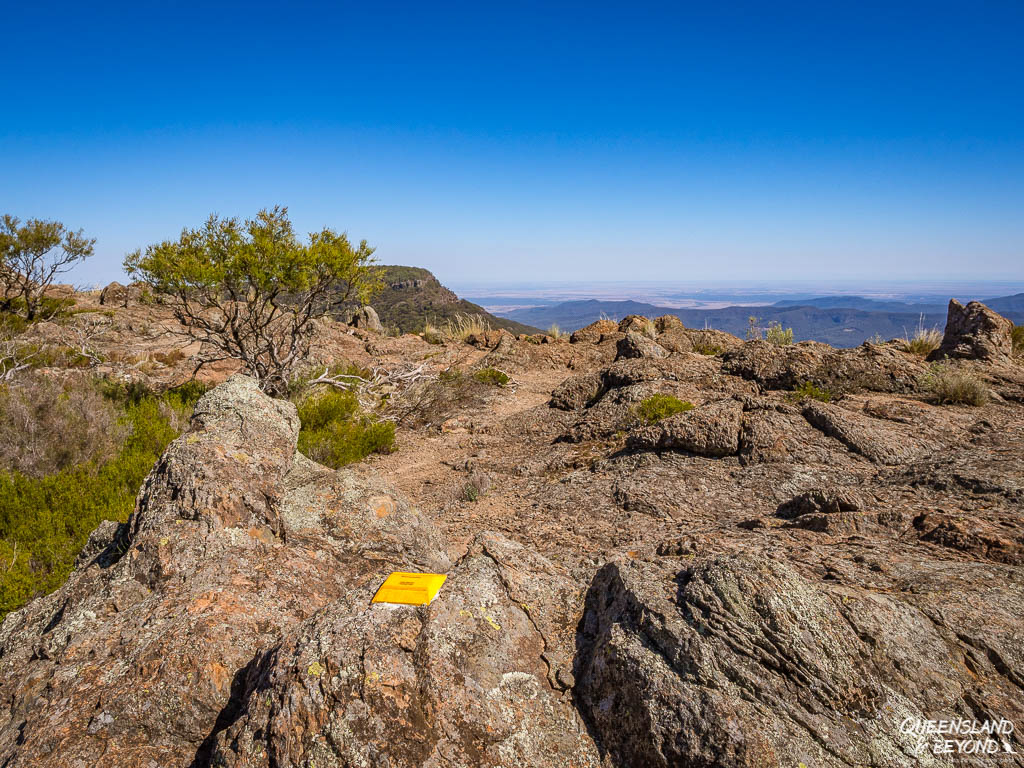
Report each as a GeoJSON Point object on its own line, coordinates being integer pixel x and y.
{"type": "Point", "coordinates": [410, 588]}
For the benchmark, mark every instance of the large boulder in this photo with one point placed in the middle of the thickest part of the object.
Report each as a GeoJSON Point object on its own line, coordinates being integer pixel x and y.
{"type": "Point", "coordinates": [741, 661]}
{"type": "Point", "coordinates": [140, 656]}
{"type": "Point", "coordinates": [975, 332]}
{"type": "Point", "coordinates": [478, 678]}
{"type": "Point", "coordinates": [367, 318]}
{"type": "Point", "coordinates": [636, 345]}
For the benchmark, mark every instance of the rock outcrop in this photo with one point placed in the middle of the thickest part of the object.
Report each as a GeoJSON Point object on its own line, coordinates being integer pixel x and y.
{"type": "Point", "coordinates": [142, 653]}
{"type": "Point", "coordinates": [975, 332]}
{"type": "Point", "coordinates": [365, 317]}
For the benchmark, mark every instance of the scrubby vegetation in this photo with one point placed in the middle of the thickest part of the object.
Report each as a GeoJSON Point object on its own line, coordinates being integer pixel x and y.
{"type": "Point", "coordinates": [432, 334]}
{"type": "Point", "coordinates": [45, 519]}
{"type": "Point", "coordinates": [461, 327]}
{"type": "Point", "coordinates": [491, 376]}
{"type": "Point", "coordinates": [950, 384]}
{"type": "Point", "coordinates": [809, 390]}
{"type": "Point", "coordinates": [250, 290]}
{"type": "Point", "coordinates": [778, 336]}
{"type": "Point", "coordinates": [47, 426]}
{"type": "Point", "coordinates": [658, 407]}
{"type": "Point", "coordinates": [1017, 334]}
{"type": "Point", "coordinates": [924, 341]}
{"type": "Point", "coordinates": [554, 331]}
{"type": "Point", "coordinates": [336, 431]}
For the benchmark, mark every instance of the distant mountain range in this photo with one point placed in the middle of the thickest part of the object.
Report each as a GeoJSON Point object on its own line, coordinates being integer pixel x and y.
{"type": "Point", "coordinates": [842, 321]}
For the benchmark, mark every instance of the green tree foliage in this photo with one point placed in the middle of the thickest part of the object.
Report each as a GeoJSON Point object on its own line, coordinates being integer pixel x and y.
{"type": "Point", "coordinates": [31, 256]}
{"type": "Point", "coordinates": [45, 521]}
{"type": "Point", "coordinates": [335, 430]}
{"type": "Point", "coordinates": [250, 290]}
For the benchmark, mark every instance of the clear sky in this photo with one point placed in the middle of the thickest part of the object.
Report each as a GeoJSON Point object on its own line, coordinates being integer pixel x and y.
{"type": "Point", "coordinates": [546, 141]}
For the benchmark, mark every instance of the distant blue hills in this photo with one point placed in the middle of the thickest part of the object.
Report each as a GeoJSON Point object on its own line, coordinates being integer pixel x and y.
{"type": "Point", "coordinates": [842, 321]}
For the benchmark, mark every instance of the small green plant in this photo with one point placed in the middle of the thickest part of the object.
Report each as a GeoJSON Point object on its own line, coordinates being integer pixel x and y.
{"type": "Point", "coordinates": [491, 376]}
{"type": "Point", "coordinates": [707, 348]}
{"type": "Point", "coordinates": [335, 431]}
{"type": "Point", "coordinates": [953, 385]}
{"type": "Point", "coordinates": [924, 341]}
{"type": "Point", "coordinates": [808, 390]}
{"type": "Point", "coordinates": [1017, 334]}
{"type": "Point", "coordinates": [554, 331]}
{"type": "Point", "coordinates": [778, 336]}
{"type": "Point", "coordinates": [658, 407]}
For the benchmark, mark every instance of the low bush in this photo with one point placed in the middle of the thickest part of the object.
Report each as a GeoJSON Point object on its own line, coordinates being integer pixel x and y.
{"type": "Point", "coordinates": [491, 376]}
{"type": "Point", "coordinates": [554, 331]}
{"type": "Point", "coordinates": [45, 521]}
{"type": "Point", "coordinates": [808, 390]}
{"type": "Point", "coordinates": [658, 407]}
{"type": "Point", "coordinates": [953, 385]}
{"type": "Point", "coordinates": [779, 336]}
{"type": "Point", "coordinates": [430, 402]}
{"type": "Point", "coordinates": [335, 430]}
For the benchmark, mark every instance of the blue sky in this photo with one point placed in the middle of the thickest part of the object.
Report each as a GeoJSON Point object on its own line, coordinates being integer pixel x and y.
{"type": "Point", "coordinates": [546, 141]}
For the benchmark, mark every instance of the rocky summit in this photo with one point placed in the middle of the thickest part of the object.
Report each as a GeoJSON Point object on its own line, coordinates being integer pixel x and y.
{"type": "Point", "coordinates": [663, 547]}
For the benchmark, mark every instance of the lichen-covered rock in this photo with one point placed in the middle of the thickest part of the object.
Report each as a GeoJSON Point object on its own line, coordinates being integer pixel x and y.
{"type": "Point", "coordinates": [870, 437]}
{"type": "Point", "coordinates": [975, 332]}
{"type": "Point", "coordinates": [366, 317]}
{"type": "Point", "coordinates": [711, 430]}
{"type": "Point", "coordinates": [634, 345]}
{"type": "Point", "coordinates": [740, 661]}
{"type": "Point", "coordinates": [235, 538]}
{"type": "Point", "coordinates": [879, 368]}
{"type": "Point", "coordinates": [576, 392]}
{"type": "Point", "coordinates": [591, 334]}
{"type": "Point", "coordinates": [478, 678]}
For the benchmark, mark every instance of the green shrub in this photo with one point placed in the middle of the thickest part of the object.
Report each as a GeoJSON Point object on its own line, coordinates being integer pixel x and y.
{"type": "Point", "coordinates": [1017, 334]}
{"type": "Point", "coordinates": [491, 376]}
{"type": "Point", "coordinates": [707, 348]}
{"type": "Point", "coordinates": [952, 385]}
{"type": "Point", "coordinates": [776, 335]}
{"type": "Point", "coordinates": [335, 430]}
{"type": "Point", "coordinates": [809, 390]}
{"type": "Point", "coordinates": [658, 407]}
{"type": "Point", "coordinates": [45, 521]}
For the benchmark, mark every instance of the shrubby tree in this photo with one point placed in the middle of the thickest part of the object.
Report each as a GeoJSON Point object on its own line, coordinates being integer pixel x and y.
{"type": "Point", "coordinates": [250, 290]}
{"type": "Point", "coordinates": [31, 257]}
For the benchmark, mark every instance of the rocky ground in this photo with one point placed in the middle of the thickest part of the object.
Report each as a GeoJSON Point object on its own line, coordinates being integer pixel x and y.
{"type": "Point", "coordinates": [759, 581]}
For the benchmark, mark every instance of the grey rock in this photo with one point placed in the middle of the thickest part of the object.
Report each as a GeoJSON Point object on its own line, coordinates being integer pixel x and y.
{"type": "Point", "coordinates": [975, 332]}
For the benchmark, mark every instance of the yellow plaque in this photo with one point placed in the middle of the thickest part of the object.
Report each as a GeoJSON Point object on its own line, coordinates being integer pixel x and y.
{"type": "Point", "coordinates": [410, 588]}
